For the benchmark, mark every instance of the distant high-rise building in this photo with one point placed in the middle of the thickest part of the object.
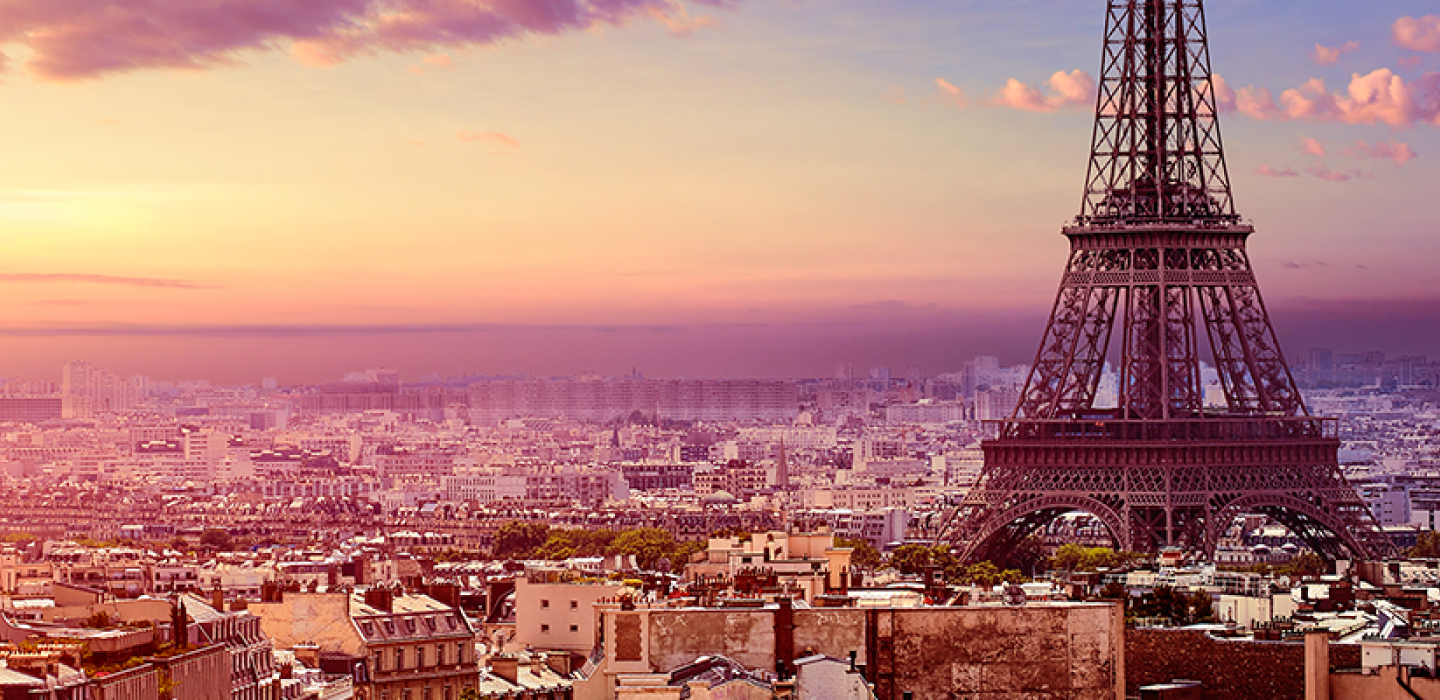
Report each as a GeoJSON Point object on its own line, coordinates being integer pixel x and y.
{"type": "Point", "coordinates": [881, 373]}
{"type": "Point", "coordinates": [89, 391]}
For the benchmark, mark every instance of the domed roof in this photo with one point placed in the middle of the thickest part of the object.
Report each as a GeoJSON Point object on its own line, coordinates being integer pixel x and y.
{"type": "Point", "coordinates": [720, 498]}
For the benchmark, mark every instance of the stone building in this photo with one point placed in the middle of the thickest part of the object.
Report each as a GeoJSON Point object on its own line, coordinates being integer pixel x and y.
{"type": "Point", "coordinates": [1056, 650]}
{"type": "Point", "coordinates": [396, 646]}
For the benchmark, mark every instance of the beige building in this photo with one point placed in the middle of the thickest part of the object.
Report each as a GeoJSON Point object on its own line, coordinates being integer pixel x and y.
{"type": "Point", "coordinates": [397, 646]}
{"type": "Point", "coordinates": [555, 610]}
{"type": "Point", "coordinates": [809, 565]}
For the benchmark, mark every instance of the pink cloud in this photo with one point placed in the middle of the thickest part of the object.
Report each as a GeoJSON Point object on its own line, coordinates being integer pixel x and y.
{"type": "Point", "coordinates": [1311, 147]}
{"type": "Point", "coordinates": [1380, 97]}
{"type": "Point", "coordinates": [1422, 34]}
{"type": "Point", "coordinates": [1397, 151]}
{"type": "Point", "coordinates": [1409, 61]}
{"type": "Point", "coordinates": [1325, 173]}
{"type": "Point", "coordinates": [414, 142]}
{"type": "Point", "coordinates": [1330, 55]}
{"type": "Point", "coordinates": [1224, 95]}
{"type": "Point", "coordinates": [440, 60]}
{"type": "Point", "coordinates": [1267, 171]}
{"type": "Point", "coordinates": [491, 137]}
{"type": "Point", "coordinates": [952, 93]}
{"type": "Point", "coordinates": [1072, 89]}
{"type": "Point", "coordinates": [85, 39]}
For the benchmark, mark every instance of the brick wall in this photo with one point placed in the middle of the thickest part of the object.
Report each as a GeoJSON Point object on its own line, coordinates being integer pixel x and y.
{"type": "Point", "coordinates": [1228, 670]}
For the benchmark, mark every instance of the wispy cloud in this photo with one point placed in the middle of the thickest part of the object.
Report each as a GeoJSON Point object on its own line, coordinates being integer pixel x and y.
{"type": "Point", "coordinates": [414, 142]}
{"type": "Point", "coordinates": [1330, 55]}
{"type": "Point", "coordinates": [952, 93]}
{"type": "Point", "coordinates": [73, 278]}
{"type": "Point", "coordinates": [1312, 147]}
{"type": "Point", "coordinates": [1418, 34]}
{"type": "Point", "coordinates": [1397, 151]}
{"type": "Point", "coordinates": [1325, 173]}
{"type": "Point", "coordinates": [84, 39]}
{"type": "Point", "coordinates": [1268, 171]}
{"type": "Point", "coordinates": [61, 302]}
{"type": "Point", "coordinates": [1073, 89]}
{"type": "Point", "coordinates": [491, 137]}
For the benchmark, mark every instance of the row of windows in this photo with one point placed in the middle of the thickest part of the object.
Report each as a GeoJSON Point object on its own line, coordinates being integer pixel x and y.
{"type": "Point", "coordinates": [545, 604]}
{"type": "Point", "coordinates": [545, 629]}
{"type": "Point", "coordinates": [445, 694]}
{"type": "Point", "coordinates": [418, 657]}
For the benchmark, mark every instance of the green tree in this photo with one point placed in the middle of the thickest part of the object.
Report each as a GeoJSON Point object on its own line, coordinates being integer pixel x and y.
{"type": "Point", "coordinates": [911, 558]}
{"type": "Point", "coordinates": [218, 539]}
{"type": "Point", "coordinates": [1202, 607]}
{"type": "Point", "coordinates": [17, 537]}
{"type": "Point", "coordinates": [1074, 557]}
{"type": "Point", "coordinates": [1305, 564]}
{"type": "Point", "coordinates": [648, 545]}
{"type": "Point", "coordinates": [519, 540]}
{"type": "Point", "coordinates": [179, 543]}
{"type": "Point", "coordinates": [983, 574]}
{"type": "Point", "coordinates": [865, 556]}
{"type": "Point", "coordinates": [1426, 547]}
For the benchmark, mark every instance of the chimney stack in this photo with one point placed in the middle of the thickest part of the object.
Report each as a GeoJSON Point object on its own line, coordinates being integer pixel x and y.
{"type": "Point", "coordinates": [506, 666]}
{"type": "Point", "coordinates": [380, 598]}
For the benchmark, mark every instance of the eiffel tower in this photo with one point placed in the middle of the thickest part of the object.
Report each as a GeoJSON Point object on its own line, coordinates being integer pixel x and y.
{"type": "Point", "coordinates": [1159, 254]}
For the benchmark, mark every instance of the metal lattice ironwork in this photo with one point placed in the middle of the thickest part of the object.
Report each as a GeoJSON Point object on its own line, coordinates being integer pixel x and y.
{"type": "Point", "coordinates": [1159, 253]}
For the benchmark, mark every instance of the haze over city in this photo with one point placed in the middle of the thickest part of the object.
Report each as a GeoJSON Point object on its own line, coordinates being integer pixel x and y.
{"type": "Point", "coordinates": [718, 188]}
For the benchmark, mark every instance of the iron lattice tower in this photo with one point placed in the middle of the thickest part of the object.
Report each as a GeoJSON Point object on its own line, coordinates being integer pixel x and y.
{"type": "Point", "coordinates": [1159, 253]}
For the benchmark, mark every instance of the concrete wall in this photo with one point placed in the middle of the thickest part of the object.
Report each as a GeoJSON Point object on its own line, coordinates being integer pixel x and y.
{"type": "Point", "coordinates": [1060, 650]}
{"type": "Point", "coordinates": [203, 674]}
{"type": "Point", "coordinates": [138, 683]}
{"type": "Point", "coordinates": [1381, 686]}
{"type": "Point", "coordinates": [1227, 670]}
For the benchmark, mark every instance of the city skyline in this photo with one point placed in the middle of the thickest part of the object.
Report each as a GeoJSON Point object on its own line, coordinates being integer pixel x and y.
{"type": "Point", "coordinates": [713, 189]}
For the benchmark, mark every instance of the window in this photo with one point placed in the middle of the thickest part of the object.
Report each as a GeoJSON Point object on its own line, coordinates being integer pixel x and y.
{"type": "Point", "coordinates": [399, 658]}
{"type": "Point", "coordinates": [544, 629]}
{"type": "Point", "coordinates": [544, 604]}
{"type": "Point", "coordinates": [410, 625]}
{"type": "Point", "coordinates": [574, 605]}
{"type": "Point", "coordinates": [460, 653]}
{"type": "Point", "coordinates": [446, 695]}
{"type": "Point", "coordinates": [574, 628]}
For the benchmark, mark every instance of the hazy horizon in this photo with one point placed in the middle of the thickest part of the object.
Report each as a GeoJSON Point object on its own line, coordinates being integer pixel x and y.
{"type": "Point", "coordinates": [684, 187]}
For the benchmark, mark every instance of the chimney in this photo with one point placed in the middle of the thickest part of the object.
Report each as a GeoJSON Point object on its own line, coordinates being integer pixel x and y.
{"type": "Point", "coordinates": [447, 593]}
{"type": "Point", "coordinates": [784, 634]}
{"type": "Point", "coordinates": [217, 599]}
{"type": "Point", "coordinates": [380, 598]}
{"type": "Point", "coordinates": [559, 662]}
{"type": "Point", "coordinates": [506, 666]}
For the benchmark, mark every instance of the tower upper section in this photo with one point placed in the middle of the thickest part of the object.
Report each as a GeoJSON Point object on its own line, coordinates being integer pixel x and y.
{"type": "Point", "coordinates": [1156, 157]}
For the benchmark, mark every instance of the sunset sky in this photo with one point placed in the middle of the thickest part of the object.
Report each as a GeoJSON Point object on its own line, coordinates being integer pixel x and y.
{"type": "Point", "coordinates": [230, 189]}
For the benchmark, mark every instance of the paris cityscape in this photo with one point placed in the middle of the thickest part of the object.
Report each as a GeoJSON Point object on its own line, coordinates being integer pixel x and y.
{"type": "Point", "coordinates": [707, 349]}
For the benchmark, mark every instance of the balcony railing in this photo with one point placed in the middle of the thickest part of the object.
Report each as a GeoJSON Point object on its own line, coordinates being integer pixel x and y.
{"type": "Point", "coordinates": [1101, 427]}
